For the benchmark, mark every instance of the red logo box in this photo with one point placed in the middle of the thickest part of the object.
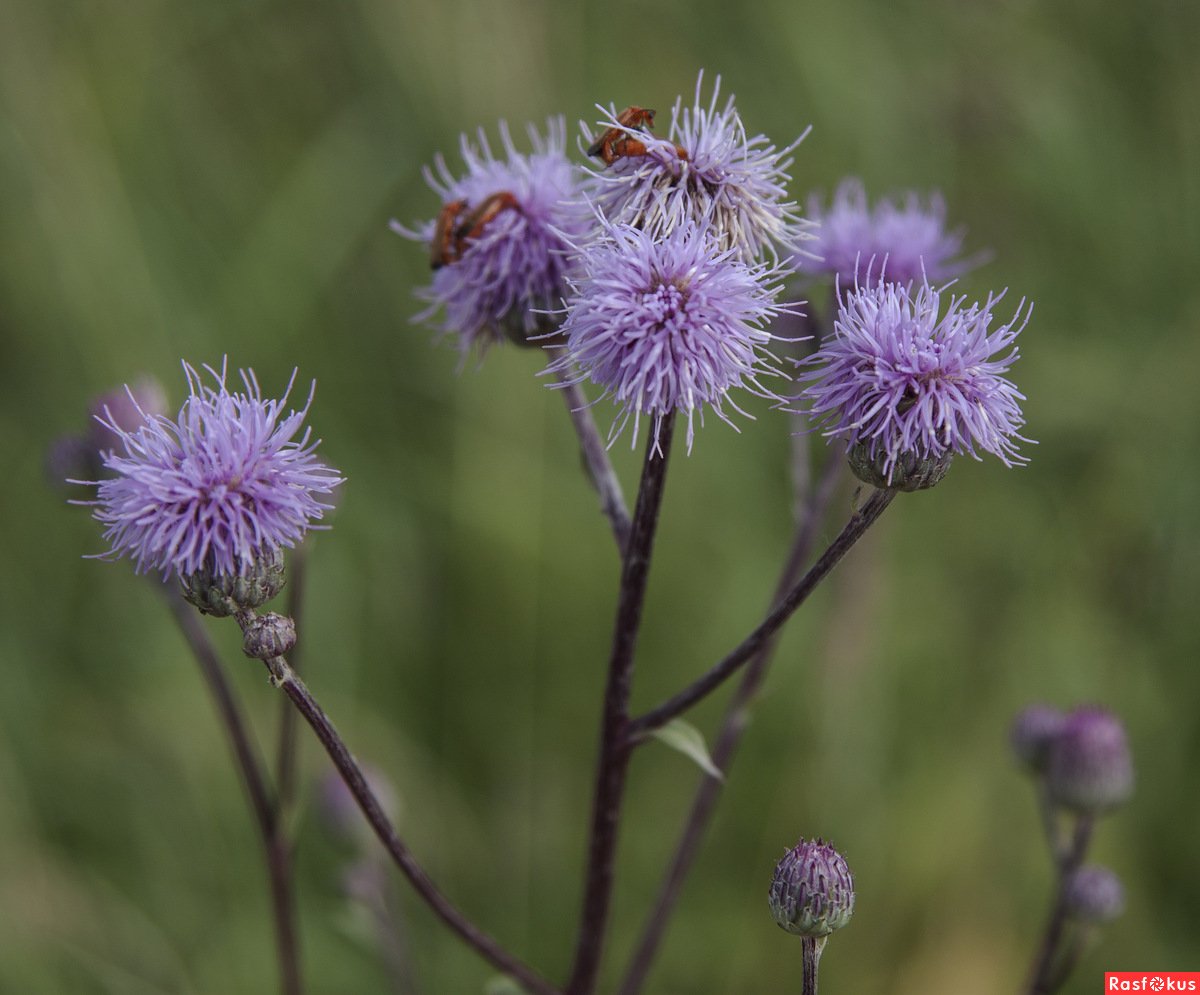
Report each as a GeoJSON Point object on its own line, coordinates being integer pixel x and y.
{"type": "Point", "coordinates": [1152, 981]}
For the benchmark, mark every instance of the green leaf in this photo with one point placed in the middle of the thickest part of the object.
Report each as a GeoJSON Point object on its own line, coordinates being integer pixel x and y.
{"type": "Point", "coordinates": [688, 740]}
{"type": "Point", "coordinates": [501, 984]}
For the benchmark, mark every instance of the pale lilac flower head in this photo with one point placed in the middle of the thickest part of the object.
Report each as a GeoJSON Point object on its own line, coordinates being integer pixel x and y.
{"type": "Point", "coordinates": [669, 324]}
{"type": "Point", "coordinates": [1094, 894]}
{"type": "Point", "coordinates": [737, 182]}
{"type": "Point", "coordinates": [221, 485]}
{"type": "Point", "coordinates": [901, 381]}
{"type": "Point", "coordinates": [899, 242]}
{"type": "Point", "coordinates": [1090, 768]}
{"type": "Point", "coordinates": [1033, 733]}
{"type": "Point", "coordinates": [504, 262]}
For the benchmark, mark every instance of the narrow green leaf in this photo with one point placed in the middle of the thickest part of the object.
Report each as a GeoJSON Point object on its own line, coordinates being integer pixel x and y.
{"type": "Point", "coordinates": [688, 740]}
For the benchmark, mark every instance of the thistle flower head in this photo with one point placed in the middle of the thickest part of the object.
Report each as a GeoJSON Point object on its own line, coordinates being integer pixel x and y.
{"type": "Point", "coordinates": [498, 245]}
{"type": "Point", "coordinates": [904, 383]}
{"type": "Point", "coordinates": [1094, 894]}
{"type": "Point", "coordinates": [220, 487]}
{"type": "Point", "coordinates": [668, 324]}
{"type": "Point", "coordinates": [812, 893]}
{"type": "Point", "coordinates": [903, 241]}
{"type": "Point", "coordinates": [706, 168]}
{"type": "Point", "coordinates": [1089, 768]}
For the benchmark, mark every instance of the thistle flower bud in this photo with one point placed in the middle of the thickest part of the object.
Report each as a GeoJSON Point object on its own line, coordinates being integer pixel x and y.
{"type": "Point", "coordinates": [1089, 769]}
{"type": "Point", "coordinates": [218, 593]}
{"type": "Point", "coordinates": [1095, 895]}
{"type": "Point", "coordinates": [268, 636]}
{"type": "Point", "coordinates": [1032, 734]}
{"type": "Point", "coordinates": [910, 472]}
{"type": "Point", "coordinates": [812, 893]}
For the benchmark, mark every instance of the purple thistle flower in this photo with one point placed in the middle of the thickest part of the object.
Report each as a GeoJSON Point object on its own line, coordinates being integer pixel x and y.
{"type": "Point", "coordinates": [1089, 768]}
{"type": "Point", "coordinates": [1094, 894]}
{"type": "Point", "coordinates": [223, 484]}
{"type": "Point", "coordinates": [899, 242]}
{"type": "Point", "coordinates": [899, 381]}
{"type": "Point", "coordinates": [1032, 735]}
{"type": "Point", "coordinates": [505, 266]}
{"type": "Point", "coordinates": [670, 324]}
{"type": "Point", "coordinates": [737, 183]}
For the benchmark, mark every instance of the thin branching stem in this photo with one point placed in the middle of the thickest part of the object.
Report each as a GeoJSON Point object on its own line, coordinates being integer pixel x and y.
{"type": "Point", "coordinates": [483, 943]}
{"type": "Point", "coordinates": [1045, 979]}
{"type": "Point", "coordinates": [708, 682]}
{"type": "Point", "coordinates": [613, 761]}
{"type": "Point", "coordinates": [264, 808]}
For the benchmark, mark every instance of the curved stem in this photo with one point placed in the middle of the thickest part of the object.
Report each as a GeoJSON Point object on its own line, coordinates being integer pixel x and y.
{"type": "Point", "coordinates": [704, 685]}
{"type": "Point", "coordinates": [1044, 978]}
{"type": "Point", "coordinates": [595, 455]}
{"type": "Point", "coordinates": [284, 677]}
{"type": "Point", "coordinates": [287, 753]}
{"type": "Point", "coordinates": [614, 740]}
{"type": "Point", "coordinates": [262, 805]}
{"type": "Point", "coordinates": [737, 715]}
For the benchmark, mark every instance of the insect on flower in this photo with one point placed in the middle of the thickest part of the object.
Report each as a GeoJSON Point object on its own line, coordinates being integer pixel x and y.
{"type": "Point", "coordinates": [617, 143]}
{"type": "Point", "coordinates": [450, 235]}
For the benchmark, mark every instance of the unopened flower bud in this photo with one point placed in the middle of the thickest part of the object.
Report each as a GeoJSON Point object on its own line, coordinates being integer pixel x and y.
{"type": "Point", "coordinates": [222, 594]}
{"type": "Point", "coordinates": [812, 893]}
{"type": "Point", "coordinates": [1033, 732]}
{"type": "Point", "coordinates": [1095, 895]}
{"type": "Point", "coordinates": [910, 471]}
{"type": "Point", "coordinates": [268, 636]}
{"type": "Point", "coordinates": [1089, 769]}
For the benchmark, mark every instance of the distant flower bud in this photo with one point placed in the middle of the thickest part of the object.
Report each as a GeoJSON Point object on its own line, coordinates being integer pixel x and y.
{"type": "Point", "coordinates": [1033, 732]}
{"type": "Point", "coordinates": [1094, 894]}
{"type": "Point", "coordinates": [812, 893]}
{"type": "Point", "coordinates": [221, 594]}
{"type": "Point", "coordinates": [1089, 768]}
{"type": "Point", "coordinates": [268, 636]}
{"type": "Point", "coordinates": [339, 809]}
{"type": "Point", "coordinates": [123, 411]}
{"type": "Point", "coordinates": [910, 472]}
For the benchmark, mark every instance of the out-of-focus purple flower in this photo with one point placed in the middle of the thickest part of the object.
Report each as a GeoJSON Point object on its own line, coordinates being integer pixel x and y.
{"type": "Point", "coordinates": [899, 242]}
{"type": "Point", "coordinates": [669, 324]}
{"type": "Point", "coordinates": [215, 489]}
{"type": "Point", "coordinates": [1090, 769]}
{"type": "Point", "coordinates": [737, 183]}
{"type": "Point", "coordinates": [502, 237]}
{"type": "Point", "coordinates": [812, 892]}
{"type": "Point", "coordinates": [1033, 732]}
{"type": "Point", "coordinates": [79, 456]}
{"type": "Point", "coordinates": [1094, 894]}
{"type": "Point", "coordinates": [901, 382]}
{"type": "Point", "coordinates": [339, 809]}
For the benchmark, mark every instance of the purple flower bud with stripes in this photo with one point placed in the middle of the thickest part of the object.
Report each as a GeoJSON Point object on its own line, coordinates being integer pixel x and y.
{"type": "Point", "coordinates": [707, 168]}
{"type": "Point", "coordinates": [900, 242]}
{"type": "Point", "coordinates": [498, 248]}
{"type": "Point", "coordinates": [899, 383]}
{"type": "Point", "coordinates": [220, 487]}
{"type": "Point", "coordinates": [669, 324]}
{"type": "Point", "coordinates": [812, 893]}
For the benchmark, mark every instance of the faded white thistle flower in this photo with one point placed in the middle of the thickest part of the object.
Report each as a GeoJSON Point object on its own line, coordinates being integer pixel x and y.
{"type": "Point", "coordinates": [706, 169]}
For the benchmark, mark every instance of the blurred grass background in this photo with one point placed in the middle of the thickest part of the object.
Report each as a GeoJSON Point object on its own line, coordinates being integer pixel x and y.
{"type": "Point", "coordinates": [200, 179]}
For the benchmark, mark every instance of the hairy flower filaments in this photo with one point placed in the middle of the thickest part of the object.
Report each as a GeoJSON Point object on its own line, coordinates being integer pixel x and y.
{"type": "Point", "coordinates": [669, 325]}
{"type": "Point", "coordinates": [899, 242]}
{"type": "Point", "coordinates": [901, 383]}
{"type": "Point", "coordinates": [706, 168]}
{"type": "Point", "coordinates": [498, 245]}
{"type": "Point", "coordinates": [217, 488]}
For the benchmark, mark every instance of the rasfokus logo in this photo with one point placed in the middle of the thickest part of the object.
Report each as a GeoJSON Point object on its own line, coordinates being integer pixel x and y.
{"type": "Point", "coordinates": [1145, 981]}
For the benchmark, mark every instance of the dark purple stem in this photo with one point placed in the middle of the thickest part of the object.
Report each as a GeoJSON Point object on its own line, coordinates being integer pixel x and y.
{"type": "Point", "coordinates": [484, 944]}
{"type": "Point", "coordinates": [813, 945]}
{"type": "Point", "coordinates": [595, 455]}
{"type": "Point", "coordinates": [264, 808]}
{"type": "Point", "coordinates": [1044, 978]}
{"type": "Point", "coordinates": [704, 685]}
{"type": "Point", "coordinates": [734, 724]}
{"type": "Point", "coordinates": [614, 737]}
{"type": "Point", "coordinates": [286, 759]}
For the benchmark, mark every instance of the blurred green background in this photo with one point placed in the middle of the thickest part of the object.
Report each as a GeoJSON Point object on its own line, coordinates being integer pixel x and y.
{"type": "Point", "coordinates": [200, 179]}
